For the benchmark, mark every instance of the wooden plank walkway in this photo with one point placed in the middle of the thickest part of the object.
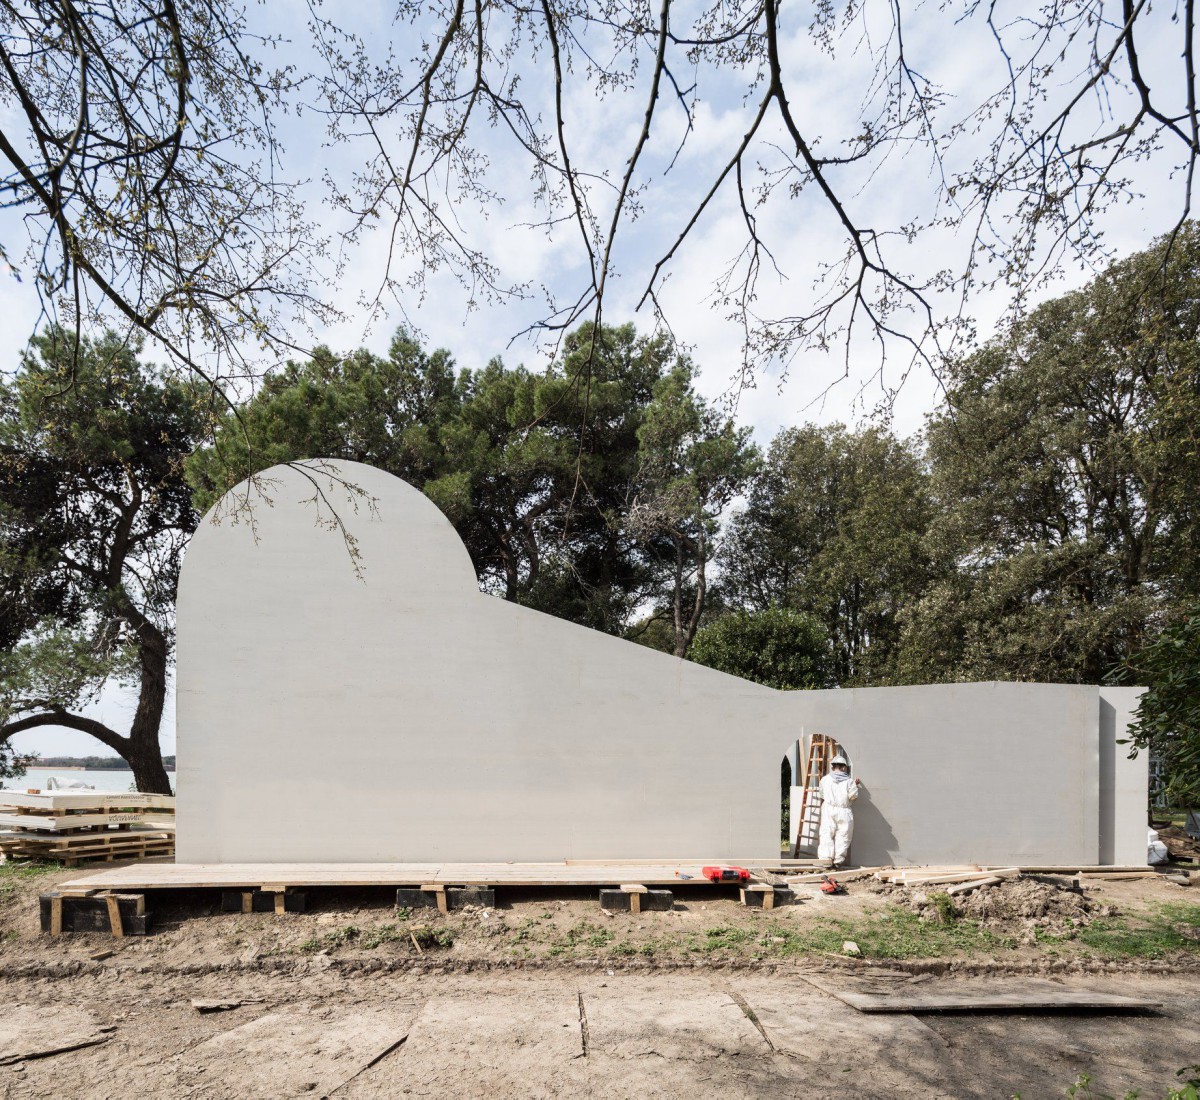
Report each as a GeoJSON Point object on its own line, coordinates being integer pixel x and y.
{"type": "Point", "coordinates": [153, 875]}
{"type": "Point", "coordinates": [976, 1000]}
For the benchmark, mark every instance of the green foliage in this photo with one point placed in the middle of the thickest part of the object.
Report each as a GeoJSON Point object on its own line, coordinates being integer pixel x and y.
{"type": "Point", "coordinates": [1065, 465]}
{"type": "Point", "coordinates": [835, 527]}
{"type": "Point", "coordinates": [692, 463]}
{"type": "Point", "coordinates": [943, 904]}
{"type": "Point", "coordinates": [1188, 1090]}
{"type": "Point", "coordinates": [1168, 716]}
{"type": "Point", "coordinates": [726, 938]}
{"type": "Point", "coordinates": [536, 470]}
{"type": "Point", "coordinates": [777, 646]}
{"type": "Point", "coordinates": [94, 513]}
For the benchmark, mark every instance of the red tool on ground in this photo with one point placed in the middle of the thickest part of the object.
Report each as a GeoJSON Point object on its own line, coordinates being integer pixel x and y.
{"type": "Point", "coordinates": [831, 886]}
{"type": "Point", "coordinates": [725, 874]}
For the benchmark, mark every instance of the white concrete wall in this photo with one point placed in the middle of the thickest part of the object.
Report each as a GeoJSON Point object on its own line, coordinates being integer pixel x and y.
{"type": "Point", "coordinates": [403, 715]}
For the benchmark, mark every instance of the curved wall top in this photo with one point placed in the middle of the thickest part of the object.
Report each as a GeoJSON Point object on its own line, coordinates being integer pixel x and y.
{"type": "Point", "coordinates": [380, 708]}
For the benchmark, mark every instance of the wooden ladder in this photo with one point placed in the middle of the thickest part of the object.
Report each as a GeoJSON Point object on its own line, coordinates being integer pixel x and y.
{"type": "Point", "coordinates": [821, 750]}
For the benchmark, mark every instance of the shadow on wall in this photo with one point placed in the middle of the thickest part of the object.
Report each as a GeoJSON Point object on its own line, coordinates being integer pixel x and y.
{"type": "Point", "coordinates": [874, 842]}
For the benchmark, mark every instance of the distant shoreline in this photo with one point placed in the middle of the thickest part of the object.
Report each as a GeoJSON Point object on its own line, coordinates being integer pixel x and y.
{"type": "Point", "coordinates": [169, 768]}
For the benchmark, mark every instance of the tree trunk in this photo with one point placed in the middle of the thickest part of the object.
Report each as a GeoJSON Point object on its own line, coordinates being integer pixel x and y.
{"type": "Point", "coordinates": [142, 751]}
{"type": "Point", "coordinates": [149, 775]}
{"type": "Point", "coordinates": [145, 753]}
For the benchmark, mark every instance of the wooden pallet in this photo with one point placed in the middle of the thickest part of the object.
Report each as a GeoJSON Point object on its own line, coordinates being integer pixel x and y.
{"type": "Point", "coordinates": [106, 845]}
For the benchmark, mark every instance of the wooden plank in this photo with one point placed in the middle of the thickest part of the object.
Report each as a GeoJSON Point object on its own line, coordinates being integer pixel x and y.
{"type": "Point", "coordinates": [1075, 868]}
{"type": "Point", "coordinates": [962, 876]}
{"type": "Point", "coordinates": [974, 884]}
{"type": "Point", "coordinates": [147, 876]}
{"type": "Point", "coordinates": [247, 901]}
{"type": "Point", "coordinates": [280, 902]}
{"type": "Point", "coordinates": [700, 861]}
{"type": "Point", "coordinates": [114, 916]}
{"type": "Point", "coordinates": [1038, 1000]}
{"type": "Point", "coordinates": [56, 903]}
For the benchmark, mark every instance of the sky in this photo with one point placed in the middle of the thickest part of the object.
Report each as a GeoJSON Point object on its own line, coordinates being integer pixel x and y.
{"type": "Point", "coordinates": [844, 385]}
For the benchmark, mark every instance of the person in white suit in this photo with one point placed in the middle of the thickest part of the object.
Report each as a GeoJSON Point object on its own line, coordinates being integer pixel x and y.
{"type": "Point", "coordinates": [838, 791]}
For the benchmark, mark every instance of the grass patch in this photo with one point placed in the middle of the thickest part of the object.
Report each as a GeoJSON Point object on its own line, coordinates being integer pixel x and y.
{"type": "Point", "coordinates": [339, 937]}
{"type": "Point", "coordinates": [581, 934]}
{"type": "Point", "coordinates": [1172, 927]}
{"type": "Point", "coordinates": [727, 938]}
{"type": "Point", "coordinates": [13, 873]}
{"type": "Point", "coordinates": [433, 937]}
{"type": "Point", "coordinates": [890, 933]}
{"type": "Point", "coordinates": [377, 937]}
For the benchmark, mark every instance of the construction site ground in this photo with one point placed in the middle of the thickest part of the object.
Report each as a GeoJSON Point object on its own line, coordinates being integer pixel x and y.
{"type": "Point", "coordinates": [546, 994]}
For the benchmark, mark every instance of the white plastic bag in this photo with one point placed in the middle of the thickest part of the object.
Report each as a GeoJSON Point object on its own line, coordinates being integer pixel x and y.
{"type": "Point", "coordinates": [1157, 851]}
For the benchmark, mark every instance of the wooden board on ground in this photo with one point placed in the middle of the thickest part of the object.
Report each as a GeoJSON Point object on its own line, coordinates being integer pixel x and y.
{"type": "Point", "coordinates": [999, 1000]}
{"type": "Point", "coordinates": [324, 1050]}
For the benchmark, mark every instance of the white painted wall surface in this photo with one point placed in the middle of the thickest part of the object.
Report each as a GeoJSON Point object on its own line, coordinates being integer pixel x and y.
{"type": "Point", "coordinates": [403, 715]}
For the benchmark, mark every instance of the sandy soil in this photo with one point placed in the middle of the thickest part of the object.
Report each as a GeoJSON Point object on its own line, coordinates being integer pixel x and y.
{"type": "Point", "coordinates": [545, 995]}
{"type": "Point", "coordinates": [316, 1032]}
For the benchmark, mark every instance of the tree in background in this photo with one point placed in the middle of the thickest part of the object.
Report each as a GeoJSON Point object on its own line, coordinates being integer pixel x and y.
{"type": "Point", "coordinates": [835, 526]}
{"type": "Point", "coordinates": [692, 463]}
{"type": "Point", "coordinates": [533, 469]}
{"type": "Point", "coordinates": [1065, 463]}
{"type": "Point", "coordinates": [777, 646]}
{"type": "Point", "coordinates": [94, 514]}
{"type": "Point", "coordinates": [1167, 722]}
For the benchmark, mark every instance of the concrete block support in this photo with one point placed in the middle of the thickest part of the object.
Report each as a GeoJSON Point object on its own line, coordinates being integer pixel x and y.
{"type": "Point", "coordinates": [765, 896]}
{"type": "Point", "coordinates": [445, 899]}
{"type": "Point", "coordinates": [660, 901]}
{"type": "Point", "coordinates": [263, 901]}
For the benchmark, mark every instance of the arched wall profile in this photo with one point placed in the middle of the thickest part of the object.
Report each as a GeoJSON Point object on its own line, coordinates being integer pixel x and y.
{"type": "Point", "coordinates": [325, 714]}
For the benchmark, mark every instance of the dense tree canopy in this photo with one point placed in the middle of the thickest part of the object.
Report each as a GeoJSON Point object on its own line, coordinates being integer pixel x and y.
{"type": "Point", "coordinates": [777, 646]}
{"type": "Point", "coordinates": [94, 514]}
{"type": "Point", "coordinates": [541, 493]}
{"type": "Point", "coordinates": [1168, 715]}
{"type": "Point", "coordinates": [1065, 465]}
{"type": "Point", "coordinates": [692, 463]}
{"type": "Point", "coordinates": [835, 526]}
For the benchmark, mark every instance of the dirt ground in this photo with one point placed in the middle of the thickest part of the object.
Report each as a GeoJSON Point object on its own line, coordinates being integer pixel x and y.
{"type": "Point", "coordinates": [544, 995]}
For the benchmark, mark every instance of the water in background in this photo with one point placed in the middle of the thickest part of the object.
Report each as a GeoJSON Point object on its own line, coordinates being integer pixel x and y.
{"type": "Point", "coordinates": [102, 780]}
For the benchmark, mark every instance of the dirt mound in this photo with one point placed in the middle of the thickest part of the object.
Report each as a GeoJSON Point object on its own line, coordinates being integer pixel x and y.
{"type": "Point", "coordinates": [1018, 907]}
{"type": "Point", "coordinates": [1023, 900]}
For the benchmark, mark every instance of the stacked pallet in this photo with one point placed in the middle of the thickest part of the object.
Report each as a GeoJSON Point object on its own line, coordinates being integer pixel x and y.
{"type": "Point", "coordinates": [72, 826]}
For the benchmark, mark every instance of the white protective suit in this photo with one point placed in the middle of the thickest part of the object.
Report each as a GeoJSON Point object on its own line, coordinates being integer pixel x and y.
{"type": "Point", "coordinates": [837, 818]}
